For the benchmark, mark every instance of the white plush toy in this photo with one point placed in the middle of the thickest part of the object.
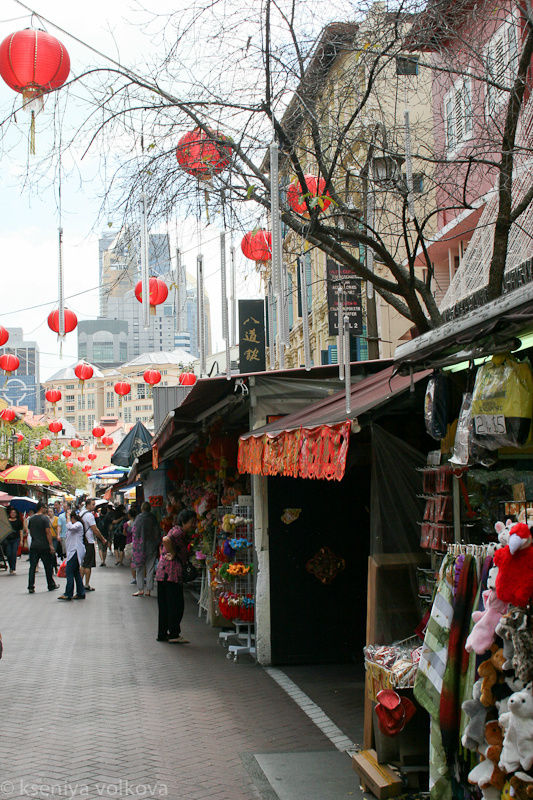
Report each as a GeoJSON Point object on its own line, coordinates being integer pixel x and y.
{"type": "Point", "coordinates": [517, 724]}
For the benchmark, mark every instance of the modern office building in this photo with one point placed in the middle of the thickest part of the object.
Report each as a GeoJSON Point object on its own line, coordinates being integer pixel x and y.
{"type": "Point", "coordinates": [103, 342]}
{"type": "Point", "coordinates": [22, 388]}
{"type": "Point", "coordinates": [119, 335]}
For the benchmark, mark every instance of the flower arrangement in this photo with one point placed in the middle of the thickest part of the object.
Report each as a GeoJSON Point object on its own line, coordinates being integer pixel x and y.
{"type": "Point", "coordinates": [237, 544]}
{"type": "Point", "coordinates": [229, 572]}
{"type": "Point", "coordinates": [237, 606]}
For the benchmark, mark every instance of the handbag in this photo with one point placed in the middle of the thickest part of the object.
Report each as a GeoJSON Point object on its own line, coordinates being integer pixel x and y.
{"type": "Point", "coordinates": [62, 571]}
{"type": "Point", "coordinates": [190, 573]}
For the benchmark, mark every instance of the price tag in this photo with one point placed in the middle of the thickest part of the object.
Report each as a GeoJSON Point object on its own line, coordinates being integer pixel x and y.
{"type": "Point", "coordinates": [489, 424]}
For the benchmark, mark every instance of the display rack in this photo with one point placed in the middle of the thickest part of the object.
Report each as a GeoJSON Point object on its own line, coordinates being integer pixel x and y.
{"type": "Point", "coordinates": [241, 641]}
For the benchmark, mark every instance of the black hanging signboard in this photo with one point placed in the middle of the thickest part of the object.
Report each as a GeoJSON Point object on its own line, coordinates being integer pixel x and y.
{"type": "Point", "coordinates": [353, 308]}
{"type": "Point", "coordinates": [252, 356]}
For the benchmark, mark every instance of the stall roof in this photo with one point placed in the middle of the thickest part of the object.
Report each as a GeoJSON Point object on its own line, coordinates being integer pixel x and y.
{"type": "Point", "coordinates": [209, 393]}
{"type": "Point", "coordinates": [477, 333]}
{"type": "Point", "coordinates": [368, 394]}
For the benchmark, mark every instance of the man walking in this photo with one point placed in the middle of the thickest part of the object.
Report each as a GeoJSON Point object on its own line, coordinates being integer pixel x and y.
{"type": "Point", "coordinates": [41, 547]}
{"type": "Point", "coordinates": [90, 530]}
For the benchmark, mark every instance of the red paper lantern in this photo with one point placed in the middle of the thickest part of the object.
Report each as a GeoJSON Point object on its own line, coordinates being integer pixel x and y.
{"type": "Point", "coordinates": [70, 464]}
{"type": "Point", "coordinates": [257, 245]}
{"type": "Point", "coordinates": [201, 155]}
{"type": "Point", "coordinates": [48, 457]}
{"type": "Point", "coordinates": [98, 432]}
{"type": "Point", "coordinates": [9, 363]}
{"type": "Point", "coordinates": [107, 441]}
{"type": "Point", "coordinates": [38, 447]}
{"type": "Point", "coordinates": [71, 321]}
{"type": "Point", "coordinates": [66, 453]}
{"type": "Point", "coordinates": [83, 371]}
{"type": "Point", "coordinates": [4, 336]}
{"type": "Point", "coordinates": [33, 62]}
{"type": "Point", "coordinates": [45, 441]}
{"type": "Point", "coordinates": [316, 187]}
{"type": "Point", "coordinates": [157, 293]}
{"type": "Point", "coordinates": [122, 388]}
{"type": "Point", "coordinates": [55, 426]}
{"type": "Point", "coordinates": [86, 468]}
{"type": "Point", "coordinates": [81, 458]}
{"type": "Point", "coordinates": [75, 443]}
{"type": "Point", "coordinates": [20, 437]}
{"type": "Point", "coordinates": [91, 456]}
{"type": "Point", "coordinates": [7, 415]}
{"type": "Point", "coordinates": [53, 395]}
{"type": "Point", "coordinates": [187, 379]}
{"type": "Point", "coordinates": [152, 376]}
{"type": "Point", "coordinates": [55, 457]}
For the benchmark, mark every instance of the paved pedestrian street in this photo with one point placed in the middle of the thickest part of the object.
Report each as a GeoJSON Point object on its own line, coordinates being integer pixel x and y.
{"type": "Point", "coordinates": [93, 706]}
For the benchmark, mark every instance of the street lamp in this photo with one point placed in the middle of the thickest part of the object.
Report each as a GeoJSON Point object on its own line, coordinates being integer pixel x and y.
{"type": "Point", "coordinates": [387, 169]}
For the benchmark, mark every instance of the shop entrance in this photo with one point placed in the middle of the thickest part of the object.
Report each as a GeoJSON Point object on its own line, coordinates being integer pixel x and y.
{"type": "Point", "coordinates": [312, 622]}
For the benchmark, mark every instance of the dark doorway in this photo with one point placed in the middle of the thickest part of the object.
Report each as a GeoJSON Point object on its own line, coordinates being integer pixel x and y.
{"type": "Point", "coordinates": [312, 622]}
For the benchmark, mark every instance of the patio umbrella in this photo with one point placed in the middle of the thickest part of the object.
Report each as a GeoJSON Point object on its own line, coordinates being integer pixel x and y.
{"type": "Point", "coordinates": [23, 504]}
{"type": "Point", "coordinates": [29, 474]}
{"type": "Point", "coordinates": [4, 498]}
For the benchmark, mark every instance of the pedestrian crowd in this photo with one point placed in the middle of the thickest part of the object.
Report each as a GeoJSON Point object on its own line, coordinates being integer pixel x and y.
{"type": "Point", "coordinates": [72, 532]}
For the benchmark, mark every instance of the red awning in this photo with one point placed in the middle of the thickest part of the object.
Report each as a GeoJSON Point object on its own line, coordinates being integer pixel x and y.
{"type": "Point", "coordinates": [313, 443]}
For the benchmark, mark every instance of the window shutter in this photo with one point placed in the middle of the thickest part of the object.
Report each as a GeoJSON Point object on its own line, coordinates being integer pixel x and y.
{"type": "Point", "coordinates": [450, 138]}
{"type": "Point", "coordinates": [467, 98]}
{"type": "Point", "coordinates": [458, 115]}
{"type": "Point", "coordinates": [289, 299]}
{"type": "Point", "coordinates": [512, 49]}
{"type": "Point", "coordinates": [308, 281]}
{"type": "Point", "coordinates": [299, 287]}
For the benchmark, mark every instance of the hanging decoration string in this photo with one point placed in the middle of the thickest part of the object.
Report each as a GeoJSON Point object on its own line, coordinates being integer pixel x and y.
{"type": "Point", "coordinates": [61, 280]}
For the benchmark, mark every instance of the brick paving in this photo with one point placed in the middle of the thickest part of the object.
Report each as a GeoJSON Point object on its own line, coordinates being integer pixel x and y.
{"type": "Point", "coordinates": [93, 706]}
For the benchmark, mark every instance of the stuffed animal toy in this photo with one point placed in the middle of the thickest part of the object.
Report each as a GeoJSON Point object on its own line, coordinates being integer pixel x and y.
{"type": "Point", "coordinates": [514, 581]}
{"type": "Point", "coordinates": [515, 629]}
{"type": "Point", "coordinates": [522, 786]}
{"type": "Point", "coordinates": [490, 672]}
{"type": "Point", "coordinates": [482, 634]}
{"type": "Point", "coordinates": [505, 629]}
{"type": "Point", "coordinates": [523, 649]}
{"type": "Point", "coordinates": [494, 739]}
{"type": "Point", "coordinates": [482, 775]}
{"type": "Point", "coordinates": [517, 724]}
{"type": "Point", "coordinates": [503, 691]}
{"type": "Point", "coordinates": [475, 728]}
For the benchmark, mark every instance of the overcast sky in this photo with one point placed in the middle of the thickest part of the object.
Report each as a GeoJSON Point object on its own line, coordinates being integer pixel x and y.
{"type": "Point", "coordinates": [29, 217]}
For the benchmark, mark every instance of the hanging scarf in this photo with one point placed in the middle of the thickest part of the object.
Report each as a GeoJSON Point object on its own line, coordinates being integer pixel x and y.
{"type": "Point", "coordinates": [457, 662]}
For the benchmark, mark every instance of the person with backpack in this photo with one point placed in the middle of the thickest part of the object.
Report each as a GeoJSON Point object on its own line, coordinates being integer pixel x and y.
{"type": "Point", "coordinates": [145, 547]}
{"type": "Point", "coordinates": [90, 531]}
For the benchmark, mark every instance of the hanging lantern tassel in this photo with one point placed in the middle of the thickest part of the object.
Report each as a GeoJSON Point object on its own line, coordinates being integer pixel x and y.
{"type": "Point", "coordinates": [206, 198]}
{"type": "Point", "coordinates": [32, 134]}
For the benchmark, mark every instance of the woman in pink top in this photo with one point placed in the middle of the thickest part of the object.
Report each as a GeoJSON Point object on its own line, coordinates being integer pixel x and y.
{"type": "Point", "coordinates": [173, 554]}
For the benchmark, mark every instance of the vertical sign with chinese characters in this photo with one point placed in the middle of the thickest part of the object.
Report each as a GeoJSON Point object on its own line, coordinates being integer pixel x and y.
{"type": "Point", "coordinates": [252, 336]}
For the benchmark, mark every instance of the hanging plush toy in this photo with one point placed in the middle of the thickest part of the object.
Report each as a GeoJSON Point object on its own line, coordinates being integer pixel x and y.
{"type": "Point", "coordinates": [514, 581]}
{"type": "Point", "coordinates": [517, 724]}
{"type": "Point", "coordinates": [482, 634]}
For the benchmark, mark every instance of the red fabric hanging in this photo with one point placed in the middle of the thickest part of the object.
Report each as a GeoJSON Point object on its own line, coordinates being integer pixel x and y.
{"type": "Point", "coordinates": [302, 453]}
